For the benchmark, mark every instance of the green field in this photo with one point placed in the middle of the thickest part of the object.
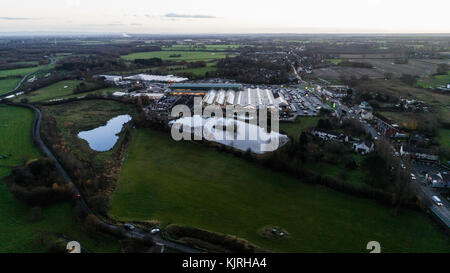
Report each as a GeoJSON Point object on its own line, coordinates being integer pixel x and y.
{"type": "Point", "coordinates": [54, 91]}
{"type": "Point", "coordinates": [294, 129]}
{"type": "Point", "coordinates": [17, 233]}
{"type": "Point", "coordinates": [335, 61]}
{"type": "Point", "coordinates": [435, 81]}
{"type": "Point", "coordinates": [7, 85]}
{"type": "Point", "coordinates": [206, 47]}
{"type": "Point", "coordinates": [200, 71]}
{"type": "Point", "coordinates": [186, 183]}
{"type": "Point", "coordinates": [444, 137]}
{"type": "Point", "coordinates": [190, 56]}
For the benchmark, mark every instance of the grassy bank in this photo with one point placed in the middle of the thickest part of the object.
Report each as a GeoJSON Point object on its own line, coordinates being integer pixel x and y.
{"type": "Point", "coordinates": [186, 183]}
{"type": "Point", "coordinates": [17, 233]}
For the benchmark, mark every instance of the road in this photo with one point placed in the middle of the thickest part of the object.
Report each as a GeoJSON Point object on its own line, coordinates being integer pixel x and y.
{"type": "Point", "coordinates": [137, 233]}
{"type": "Point", "coordinates": [426, 192]}
{"type": "Point", "coordinates": [443, 212]}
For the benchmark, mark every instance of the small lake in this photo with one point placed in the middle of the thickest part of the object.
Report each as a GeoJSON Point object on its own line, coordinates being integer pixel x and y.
{"type": "Point", "coordinates": [103, 138]}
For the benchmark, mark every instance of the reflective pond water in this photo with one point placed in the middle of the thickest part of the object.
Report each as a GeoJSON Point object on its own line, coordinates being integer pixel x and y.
{"type": "Point", "coordinates": [103, 138]}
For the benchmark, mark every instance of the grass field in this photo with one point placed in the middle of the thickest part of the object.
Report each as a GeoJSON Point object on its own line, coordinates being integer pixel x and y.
{"type": "Point", "coordinates": [444, 137]}
{"type": "Point", "coordinates": [335, 61]}
{"type": "Point", "coordinates": [294, 129]}
{"type": "Point", "coordinates": [200, 71]}
{"type": "Point", "coordinates": [190, 56]}
{"type": "Point", "coordinates": [54, 91]}
{"type": "Point", "coordinates": [7, 85]}
{"type": "Point", "coordinates": [435, 81]}
{"type": "Point", "coordinates": [17, 233]}
{"type": "Point", "coordinates": [206, 47]}
{"type": "Point", "coordinates": [185, 183]}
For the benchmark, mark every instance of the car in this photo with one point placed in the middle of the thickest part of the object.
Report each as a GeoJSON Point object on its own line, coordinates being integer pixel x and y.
{"type": "Point", "coordinates": [129, 227]}
{"type": "Point", "coordinates": [437, 201]}
{"type": "Point", "coordinates": [155, 230]}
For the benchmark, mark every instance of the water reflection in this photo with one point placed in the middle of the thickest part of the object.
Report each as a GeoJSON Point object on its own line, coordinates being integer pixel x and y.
{"type": "Point", "coordinates": [103, 138]}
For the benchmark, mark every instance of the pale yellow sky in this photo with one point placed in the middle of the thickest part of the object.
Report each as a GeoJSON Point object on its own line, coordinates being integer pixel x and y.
{"type": "Point", "coordinates": [230, 16]}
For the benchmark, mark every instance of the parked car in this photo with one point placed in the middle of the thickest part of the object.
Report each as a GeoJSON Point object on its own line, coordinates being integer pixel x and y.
{"type": "Point", "coordinates": [129, 227]}
{"type": "Point", "coordinates": [437, 201]}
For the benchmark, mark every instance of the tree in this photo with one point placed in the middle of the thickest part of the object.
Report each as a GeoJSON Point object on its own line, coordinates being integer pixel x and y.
{"type": "Point", "coordinates": [388, 75]}
{"type": "Point", "coordinates": [442, 69]}
{"type": "Point", "coordinates": [92, 223]}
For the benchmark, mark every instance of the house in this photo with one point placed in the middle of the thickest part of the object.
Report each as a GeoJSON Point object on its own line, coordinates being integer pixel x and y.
{"type": "Point", "coordinates": [365, 106]}
{"type": "Point", "coordinates": [363, 147]}
{"type": "Point", "coordinates": [385, 128]}
{"type": "Point", "coordinates": [324, 135]}
{"type": "Point", "coordinates": [366, 115]}
{"type": "Point", "coordinates": [418, 153]}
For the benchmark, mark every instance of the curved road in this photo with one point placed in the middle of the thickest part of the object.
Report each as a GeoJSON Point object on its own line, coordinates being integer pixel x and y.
{"type": "Point", "coordinates": [134, 234]}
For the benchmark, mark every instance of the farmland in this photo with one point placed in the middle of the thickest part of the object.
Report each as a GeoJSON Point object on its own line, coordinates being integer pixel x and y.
{"type": "Point", "coordinates": [18, 233]}
{"type": "Point", "coordinates": [434, 81]}
{"type": "Point", "coordinates": [57, 90]}
{"type": "Point", "coordinates": [202, 47]}
{"type": "Point", "coordinates": [8, 84]}
{"type": "Point", "coordinates": [189, 56]}
{"type": "Point", "coordinates": [185, 183]}
{"type": "Point", "coordinates": [380, 67]}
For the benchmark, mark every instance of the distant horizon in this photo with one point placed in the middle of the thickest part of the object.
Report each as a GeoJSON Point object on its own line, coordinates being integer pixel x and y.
{"type": "Point", "coordinates": [230, 17]}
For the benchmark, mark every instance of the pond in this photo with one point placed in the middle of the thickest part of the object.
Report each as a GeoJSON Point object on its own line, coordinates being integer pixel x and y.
{"type": "Point", "coordinates": [103, 138]}
{"type": "Point", "coordinates": [234, 133]}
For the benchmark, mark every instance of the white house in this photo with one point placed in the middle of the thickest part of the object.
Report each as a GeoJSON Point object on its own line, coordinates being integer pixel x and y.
{"type": "Point", "coordinates": [363, 147]}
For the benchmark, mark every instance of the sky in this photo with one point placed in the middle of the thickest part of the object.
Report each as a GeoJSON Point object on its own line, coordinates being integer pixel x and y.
{"type": "Point", "coordinates": [225, 16]}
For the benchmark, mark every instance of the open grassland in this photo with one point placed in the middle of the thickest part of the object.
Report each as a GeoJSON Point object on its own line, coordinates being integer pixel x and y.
{"type": "Point", "coordinates": [72, 118]}
{"type": "Point", "coordinates": [189, 56]}
{"type": "Point", "coordinates": [186, 183]}
{"type": "Point", "coordinates": [54, 91]}
{"type": "Point", "coordinates": [17, 233]}
{"type": "Point", "coordinates": [294, 129]}
{"type": "Point", "coordinates": [435, 81]}
{"type": "Point", "coordinates": [8, 84]}
{"type": "Point", "coordinates": [23, 71]}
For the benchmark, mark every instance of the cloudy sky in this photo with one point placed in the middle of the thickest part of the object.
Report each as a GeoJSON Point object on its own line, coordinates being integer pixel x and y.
{"type": "Point", "coordinates": [226, 16]}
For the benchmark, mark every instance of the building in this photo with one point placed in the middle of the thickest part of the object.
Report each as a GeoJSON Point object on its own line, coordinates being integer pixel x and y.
{"type": "Point", "coordinates": [202, 88]}
{"type": "Point", "coordinates": [248, 99]}
{"type": "Point", "coordinates": [363, 147]}
{"type": "Point", "coordinates": [385, 128]}
{"type": "Point", "coordinates": [155, 78]}
{"type": "Point", "coordinates": [418, 153]}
